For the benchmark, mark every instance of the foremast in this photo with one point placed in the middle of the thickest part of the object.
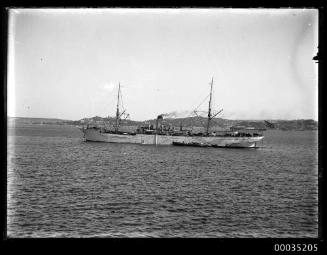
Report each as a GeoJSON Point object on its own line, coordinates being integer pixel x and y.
{"type": "Point", "coordinates": [209, 110]}
{"type": "Point", "coordinates": [117, 111]}
{"type": "Point", "coordinates": [210, 114]}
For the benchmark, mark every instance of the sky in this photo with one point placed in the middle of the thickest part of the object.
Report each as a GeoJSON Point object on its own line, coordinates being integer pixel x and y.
{"type": "Point", "coordinates": [67, 63]}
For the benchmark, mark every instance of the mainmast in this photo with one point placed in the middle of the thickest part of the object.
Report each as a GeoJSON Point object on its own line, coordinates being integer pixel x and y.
{"type": "Point", "coordinates": [209, 110]}
{"type": "Point", "coordinates": [117, 112]}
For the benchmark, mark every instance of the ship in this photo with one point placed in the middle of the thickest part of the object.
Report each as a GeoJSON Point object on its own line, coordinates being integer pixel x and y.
{"type": "Point", "coordinates": [159, 135]}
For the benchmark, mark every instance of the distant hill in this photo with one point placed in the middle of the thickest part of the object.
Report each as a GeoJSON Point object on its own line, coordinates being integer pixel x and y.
{"type": "Point", "coordinates": [24, 120]}
{"type": "Point", "coordinates": [198, 122]}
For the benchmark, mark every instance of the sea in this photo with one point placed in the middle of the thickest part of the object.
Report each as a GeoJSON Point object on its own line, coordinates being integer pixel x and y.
{"type": "Point", "coordinates": [58, 185]}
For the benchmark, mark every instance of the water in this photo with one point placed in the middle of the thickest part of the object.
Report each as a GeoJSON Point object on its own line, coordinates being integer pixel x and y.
{"type": "Point", "coordinates": [61, 186]}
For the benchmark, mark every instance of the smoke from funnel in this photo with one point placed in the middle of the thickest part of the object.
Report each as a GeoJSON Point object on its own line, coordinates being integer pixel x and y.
{"type": "Point", "coordinates": [176, 114]}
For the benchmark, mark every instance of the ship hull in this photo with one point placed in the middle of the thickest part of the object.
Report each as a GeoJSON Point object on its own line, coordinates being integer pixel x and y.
{"type": "Point", "coordinates": [96, 135]}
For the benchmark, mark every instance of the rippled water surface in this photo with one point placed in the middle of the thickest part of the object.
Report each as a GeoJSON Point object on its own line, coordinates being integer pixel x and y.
{"type": "Point", "coordinates": [61, 186]}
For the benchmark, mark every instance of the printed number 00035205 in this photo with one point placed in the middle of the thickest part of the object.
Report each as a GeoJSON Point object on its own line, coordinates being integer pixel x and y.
{"type": "Point", "coordinates": [296, 247]}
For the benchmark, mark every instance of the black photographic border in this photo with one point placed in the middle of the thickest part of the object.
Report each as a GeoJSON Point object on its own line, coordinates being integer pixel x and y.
{"type": "Point", "coordinates": [154, 245]}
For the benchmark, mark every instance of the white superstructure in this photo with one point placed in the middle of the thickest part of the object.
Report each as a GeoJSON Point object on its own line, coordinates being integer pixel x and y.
{"type": "Point", "coordinates": [96, 135]}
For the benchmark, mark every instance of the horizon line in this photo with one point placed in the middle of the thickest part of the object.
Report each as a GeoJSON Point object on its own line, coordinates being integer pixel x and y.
{"type": "Point", "coordinates": [165, 118]}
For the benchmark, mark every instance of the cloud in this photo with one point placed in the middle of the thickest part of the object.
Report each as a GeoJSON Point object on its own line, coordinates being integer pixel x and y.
{"type": "Point", "coordinates": [109, 86]}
